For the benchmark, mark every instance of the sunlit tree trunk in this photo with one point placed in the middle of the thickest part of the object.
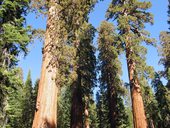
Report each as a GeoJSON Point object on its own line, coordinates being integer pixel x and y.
{"type": "Point", "coordinates": [86, 114]}
{"type": "Point", "coordinates": [152, 123]}
{"type": "Point", "coordinates": [139, 118]}
{"type": "Point", "coordinates": [46, 105]}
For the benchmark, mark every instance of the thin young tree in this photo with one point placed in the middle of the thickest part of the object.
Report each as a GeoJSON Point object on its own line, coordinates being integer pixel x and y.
{"type": "Point", "coordinates": [131, 16]}
{"type": "Point", "coordinates": [27, 113]}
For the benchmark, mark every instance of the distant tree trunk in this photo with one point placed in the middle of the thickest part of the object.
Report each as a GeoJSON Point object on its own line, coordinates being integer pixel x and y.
{"type": "Point", "coordinates": [139, 118]}
{"type": "Point", "coordinates": [46, 105]}
{"type": "Point", "coordinates": [152, 124]}
{"type": "Point", "coordinates": [86, 113]}
{"type": "Point", "coordinates": [77, 107]}
{"type": "Point", "coordinates": [5, 121]}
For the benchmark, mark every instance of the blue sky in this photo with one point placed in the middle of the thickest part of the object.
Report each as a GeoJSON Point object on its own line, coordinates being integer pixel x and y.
{"type": "Point", "coordinates": [33, 60]}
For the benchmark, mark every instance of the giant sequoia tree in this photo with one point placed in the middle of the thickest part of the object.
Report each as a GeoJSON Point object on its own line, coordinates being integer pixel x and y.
{"type": "Point", "coordinates": [131, 16]}
{"type": "Point", "coordinates": [110, 75]}
{"type": "Point", "coordinates": [64, 19]}
{"type": "Point", "coordinates": [82, 88]}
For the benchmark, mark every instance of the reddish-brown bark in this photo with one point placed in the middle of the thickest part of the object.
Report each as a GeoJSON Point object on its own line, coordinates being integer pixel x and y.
{"type": "Point", "coordinates": [139, 118]}
{"type": "Point", "coordinates": [112, 107]}
{"type": "Point", "coordinates": [46, 106]}
{"type": "Point", "coordinates": [76, 108]}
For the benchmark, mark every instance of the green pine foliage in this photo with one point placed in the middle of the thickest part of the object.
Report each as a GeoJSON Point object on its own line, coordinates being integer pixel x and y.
{"type": "Point", "coordinates": [102, 109]}
{"type": "Point", "coordinates": [86, 73]}
{"type": "Point", "coordinates": [14, 35]}
{"type": "Point", "coordinates": [130, 117]}
{"type": "Point", "coordinates": [72, 34]}
{"type": "Point", "coordinates": [165, 51]}
{"type": "Point", "coordinates": [19, 105]}
{"type": "Point", "coordinates": [28, 112]}
{"type": "Point", "coordinates": [34, 95]}
{"type": "Point", "coordinates": [123, 116]}
{"type": "Point", "coordinates": [151, 106]}
{"type": "Point", "coordinates": [162, 95]}
{"type": "Point", "coordinates": [64, 107]}
{"type": "Point", "coordinates": [93, 115]}
{"type": "Point", "coordinates": [14, 109]}
{"type": "Point", "coordinates": [87, 60]}
{"type": "Point", "coordinates": [128, 105]}
{"type": "Point", "coordinates": [14, 38]}
{"type": "Point", "coordinates": [162, 92]}
{"type": "Point", "coordinates": [11, 111]}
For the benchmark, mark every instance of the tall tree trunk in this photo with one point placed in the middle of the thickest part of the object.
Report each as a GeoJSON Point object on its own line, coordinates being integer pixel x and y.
{"type": "Point", "coordinates": [139, 118]}
{"type": "Point", "coordinates": [46, 105]}
{"type": "Point", "coordinates": [112, 107]}
{"type": "Point", "coordinates": [76, 108]}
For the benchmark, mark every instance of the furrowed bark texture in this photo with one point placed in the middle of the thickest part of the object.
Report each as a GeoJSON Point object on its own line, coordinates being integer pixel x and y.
{"type": "Point", "coordinates": [139, 117]}
{"type": "Point", "coordinates": [46, 106]}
